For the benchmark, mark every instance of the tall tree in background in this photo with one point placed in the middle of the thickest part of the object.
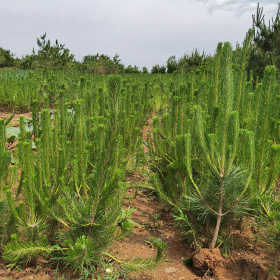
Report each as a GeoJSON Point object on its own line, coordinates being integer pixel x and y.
{"type": "Point", "coordinates": [6, 58]}
{"type": "Point", "coordinates": [188, 63]}
{"type": "Point", "coordinates": [266, 47]}
{"type": "Point", "coordinates": [172, 64]}
{"type": "Point", "coordinates": [102, 64]}
{"type": "Point", "coordinates": [158, 69]}
{"type": "Point", "coordinates": [55, 57]}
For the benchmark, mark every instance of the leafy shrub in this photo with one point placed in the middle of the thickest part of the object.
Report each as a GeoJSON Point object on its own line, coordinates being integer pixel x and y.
{"type": "Point", "coordinates": [158, 69]}
{"type": "Point", "coordinates": [172, 64]}
{"type": "Point", "coordinates": [132, 70]}
{"type": "Point", "coordinates": [6, 58]}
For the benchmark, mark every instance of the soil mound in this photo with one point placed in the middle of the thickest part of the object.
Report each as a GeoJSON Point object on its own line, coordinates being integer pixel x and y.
{"type": "Point", "coordinates": [249, 265]}
{"type": "Point", "coordinates": [207, 261]}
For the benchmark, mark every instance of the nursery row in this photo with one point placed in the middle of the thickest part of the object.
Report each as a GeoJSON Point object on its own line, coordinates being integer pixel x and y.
{"type": "Point", "coordinates": [216, 155]}
{"type": "Point", "coordinates": [65, 189]}
{"type": "Point", "coordinates": [214, 152]}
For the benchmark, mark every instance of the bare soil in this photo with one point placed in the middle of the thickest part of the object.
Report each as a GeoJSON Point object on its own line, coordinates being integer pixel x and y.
{"type": "Point", "coordinates": [155, 220]}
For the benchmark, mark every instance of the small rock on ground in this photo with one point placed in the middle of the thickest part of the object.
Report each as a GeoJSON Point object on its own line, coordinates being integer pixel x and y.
{"type": "Point", "coordinates": [170, 269]}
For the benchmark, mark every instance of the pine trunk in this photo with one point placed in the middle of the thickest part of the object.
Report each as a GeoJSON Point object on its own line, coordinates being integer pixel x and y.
{"type": "Point", "coordinates": [216, 232]}
{"type": "Point", "coordinates": [219, 218]}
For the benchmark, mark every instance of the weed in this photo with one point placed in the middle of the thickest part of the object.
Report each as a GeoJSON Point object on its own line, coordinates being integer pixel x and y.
{"type": "Point", "coordinates": [125, 221]}
{"type": "Point", "coordinates": [156, 216]}
{"type": "Point", "coordinates": [153, 241]}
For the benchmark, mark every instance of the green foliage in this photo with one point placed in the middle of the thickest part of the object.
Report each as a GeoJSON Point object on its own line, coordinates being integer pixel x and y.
{"type": "Point", "coordinates": [153, 241]}
{"type": "Point", "coordinates": [159, 98]}
{"type": "Point", "coordinates": [132, 70]}
{"type": "Point", "coordinates": [216, 148]}
{"type": "Point", "coordinates": [101, 64]}
{"type": "Point", "coordinates": [4, 220]}
{"type": "Point", "coordinates": [189, 232]}
{"type": "Point", "coordinates": [16, 250]}
{"type": "Point", "coordinates": [125, 221]}
{"type": "Point", "coordinates": [266, 42]}
{"type": "Point", "coordinates": [158, 69]}
{"type": "Point", "coordinates": [224, 242]}
{"type": "Point", "coordinates": [145, 70]}
{"type": "Point", "coordinates": [189, 63]}
{"type": "Point", "coordinates": [188, 261]}
{"type": "Point", "coordinates": [82, 253]}
{"type": "Point", "coordinates": [7, 180]}
{"type": "Point", "coordinates": [139, 264]}
{"type": "Point", "coordinates": [172, 64]}
{"type": "Point", "coordinates": [49, 57]}
{"type": "Point", "coordinates": [6, 58]}
{"type": "Point", "coordinates": [68, 201]}
{"type": "Point", "coordinates": [27, 62]}
{"type": "Point", "coordinates": [268, 220]}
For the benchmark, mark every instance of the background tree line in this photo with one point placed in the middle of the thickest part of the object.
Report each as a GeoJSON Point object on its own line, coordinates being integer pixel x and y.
{"type": "Point", "coordinates": [58, 57]}
{"type": "Point", "coordinates": [265, 50]}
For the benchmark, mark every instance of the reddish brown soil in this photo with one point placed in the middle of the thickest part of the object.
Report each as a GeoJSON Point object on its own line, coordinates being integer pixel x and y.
{"type": "Point", "coordinates": [242, 263]}
{"type": "Point", "coordinates": [4, 115]}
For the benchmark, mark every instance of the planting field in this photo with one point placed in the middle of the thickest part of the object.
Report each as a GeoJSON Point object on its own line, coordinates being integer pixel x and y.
{"type": "Point", "coordinates": [109, 177]}
{"type": "Point", "coordinates": [154, 220]}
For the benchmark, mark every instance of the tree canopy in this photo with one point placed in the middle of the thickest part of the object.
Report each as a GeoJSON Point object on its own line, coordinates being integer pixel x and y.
{"type": "Point", "coordinates": [266, 42]}
{"type": "Point", "coordinates": [6, 58]}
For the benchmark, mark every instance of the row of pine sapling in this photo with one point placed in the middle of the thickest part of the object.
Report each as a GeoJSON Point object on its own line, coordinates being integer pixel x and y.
{"type": "Point", "coordinates": [215, 150]}
{"type": "Point", "coordinates": [19, 88]}
{"type": "Point", "coordinates": [70, 191]}
{"type": "Point", "coordinates": [216, 153]}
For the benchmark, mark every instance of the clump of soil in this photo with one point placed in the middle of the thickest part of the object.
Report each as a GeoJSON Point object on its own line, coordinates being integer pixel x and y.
{"type": "Point", "coordinates": [249, 265]}
{"type": "Point", "coordinates": [206, 261]}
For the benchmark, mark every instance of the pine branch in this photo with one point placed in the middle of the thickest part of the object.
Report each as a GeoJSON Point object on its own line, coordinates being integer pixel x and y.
{"type": "Point", "coordinates": [140, 264]}
{"type": "Point", "coordinates": [16, 250]}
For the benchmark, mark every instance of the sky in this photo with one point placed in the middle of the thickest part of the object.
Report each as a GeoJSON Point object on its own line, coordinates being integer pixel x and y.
{"type": "Point", "coordinates": [142, 32]}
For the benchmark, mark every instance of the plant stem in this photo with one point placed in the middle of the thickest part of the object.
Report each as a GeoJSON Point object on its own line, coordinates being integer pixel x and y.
{"type": "Point", "coordinates": [214, 240]}
{"type": "Point", "coordinates": [219, 218]}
